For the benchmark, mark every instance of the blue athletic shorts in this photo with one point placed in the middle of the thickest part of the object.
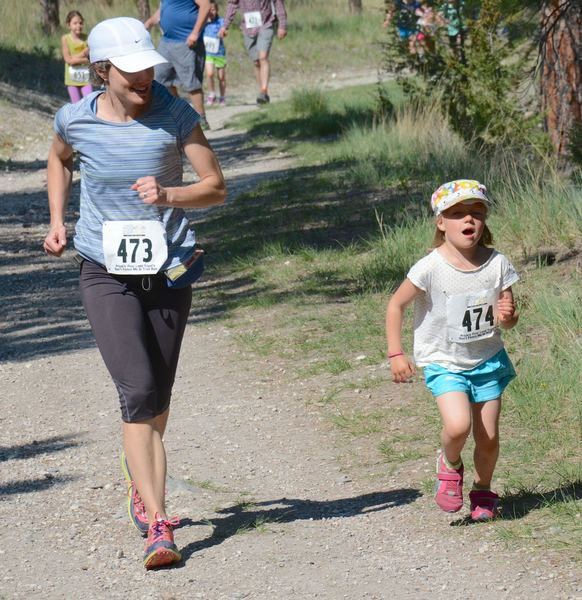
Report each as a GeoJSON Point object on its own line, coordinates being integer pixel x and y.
{"type": "Point", "coordinates": [483, 383]}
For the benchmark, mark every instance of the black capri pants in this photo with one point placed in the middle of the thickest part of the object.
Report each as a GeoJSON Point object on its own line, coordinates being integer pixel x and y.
{"type": "Point", "coordinates": [138, 323]}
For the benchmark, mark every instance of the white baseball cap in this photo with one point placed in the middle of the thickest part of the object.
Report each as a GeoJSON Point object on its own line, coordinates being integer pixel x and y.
{"type": "Point", "coordinates": [448, 194]}
{"type": "Point", "coordinates": [125, 42]}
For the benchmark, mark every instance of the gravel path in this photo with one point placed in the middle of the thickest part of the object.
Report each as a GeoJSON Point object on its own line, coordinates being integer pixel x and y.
{"type": "Point", "coordinates": [268, 512]}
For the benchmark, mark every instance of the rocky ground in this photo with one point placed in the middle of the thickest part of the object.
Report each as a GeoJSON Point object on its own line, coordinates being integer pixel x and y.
{"type": "Point", "coordinates": [257, 475]}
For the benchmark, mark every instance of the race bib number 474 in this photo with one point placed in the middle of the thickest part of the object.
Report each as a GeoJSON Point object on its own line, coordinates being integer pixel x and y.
{"type": "Point", "coordinates": [471, 317]}
{"type": "Point", "coordinates": [134, 247]}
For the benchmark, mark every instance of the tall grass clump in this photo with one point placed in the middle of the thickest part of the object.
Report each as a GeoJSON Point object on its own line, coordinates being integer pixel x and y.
{"type": "Point", "coordinates": [393, 252]}
{"type": "Point", "coordinates": [537, 207]}
{"type": "Point", "coordinates": [417, 143]}
{"type": "Point", "coordinates": [544, 405]}
{"type": "Point", "coordinates": [309, 101]}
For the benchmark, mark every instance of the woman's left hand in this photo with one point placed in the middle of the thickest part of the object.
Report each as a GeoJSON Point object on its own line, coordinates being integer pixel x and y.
{"type": "Point", "coordinates": [150, 191]}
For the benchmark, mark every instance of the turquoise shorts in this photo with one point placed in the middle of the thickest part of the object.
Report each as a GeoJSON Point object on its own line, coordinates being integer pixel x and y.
{"type": "Point", "coordinates": [481, 384]}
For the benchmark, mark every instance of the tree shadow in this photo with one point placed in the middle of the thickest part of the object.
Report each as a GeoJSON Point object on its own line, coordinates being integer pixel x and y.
{"type": "Point", "coordinates": [34, 71]}
{"type": "Point", "coordinates": [27, 486]}
{"type": "Point", "coordinates": [516, 506]}
{"type": "Point", "coordinates": [246, 517]}
{"type": "Point", "coordinates": [315, 123]}
{"type": "Point", "coordinates": [47, 446]}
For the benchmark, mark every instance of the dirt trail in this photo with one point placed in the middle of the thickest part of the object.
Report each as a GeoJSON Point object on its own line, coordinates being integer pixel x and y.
{"type": "Point", "coordinates": [267, 511]}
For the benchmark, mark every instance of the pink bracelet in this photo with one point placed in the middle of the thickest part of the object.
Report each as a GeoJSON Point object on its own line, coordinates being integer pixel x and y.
{"type": "Point", "coordinates": [396, 354]}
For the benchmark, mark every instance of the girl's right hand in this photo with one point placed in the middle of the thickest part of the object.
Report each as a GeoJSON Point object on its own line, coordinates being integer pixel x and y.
{"type": "Point", "coordinates": [402, 368]}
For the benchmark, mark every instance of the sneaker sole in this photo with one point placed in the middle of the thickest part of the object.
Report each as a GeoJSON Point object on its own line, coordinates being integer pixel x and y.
{"type": "Point", "coordinates": [126, 474]}
{"type": "Point", "coordinates": [125, 468]}
{"type": "Point", "coordinates": [162, 557]}
{"type": "Point", "coordinates": [484, 516]}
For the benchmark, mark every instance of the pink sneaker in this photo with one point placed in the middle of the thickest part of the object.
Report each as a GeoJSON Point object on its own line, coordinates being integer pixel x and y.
{"type": "Point", "coordinates": [449, 488]}
{"type": "Point", "coordinates": [160, 549]}
{"type": "Point", "coordinates": [484, 505]}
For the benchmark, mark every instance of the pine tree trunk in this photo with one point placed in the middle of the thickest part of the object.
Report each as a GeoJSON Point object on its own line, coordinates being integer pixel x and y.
{"type": "Point", "coordinates": [561, 69]}
{"type": "Point", "coordinates": [355, 6]}
{"type": "Point", "coordinates": [50, 16]}
{"type": "Point", "coordinates": [143, 7]}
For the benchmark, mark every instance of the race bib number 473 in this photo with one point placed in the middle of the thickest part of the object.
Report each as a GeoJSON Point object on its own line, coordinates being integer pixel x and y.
{"type": "Point", "coordinates": [134, 247]}
{"type": "Point", "coordinates": [471, 317]}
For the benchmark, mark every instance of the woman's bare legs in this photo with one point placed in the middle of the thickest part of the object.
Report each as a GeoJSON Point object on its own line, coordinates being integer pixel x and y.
{"type": "Point", "coordinates": [144, 449]}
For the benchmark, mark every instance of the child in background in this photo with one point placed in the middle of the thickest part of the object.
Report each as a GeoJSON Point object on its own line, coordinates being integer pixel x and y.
{"type": "Point", "coordinates": [427, 26]}
{"type": "Point", "coordinates": [215, 55]}
{"type": "Point", "coordinates": [462, 295]}
{"type": "Point", "coordinates": [76, 57]}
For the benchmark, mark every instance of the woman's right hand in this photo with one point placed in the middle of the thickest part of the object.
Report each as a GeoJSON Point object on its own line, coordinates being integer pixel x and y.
{"type": "Point", "coordinates": [402, 369]}
{"type": "Point", "coordinates": [55, 241]}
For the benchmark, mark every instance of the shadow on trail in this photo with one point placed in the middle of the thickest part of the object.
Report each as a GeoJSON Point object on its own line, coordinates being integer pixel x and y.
{"type": "Point", "coordinates": [21, 165]}
{"type": "Point", "coordinates": [28, 486]}
{"type": "Point", "coordinates": [31, 449]}
{"type": "Point", "coordinates": [29, 72]}
{"type": "Point", "coordinates": [517, 506]}
{"type": "Point", "coordinates": [244, 517]}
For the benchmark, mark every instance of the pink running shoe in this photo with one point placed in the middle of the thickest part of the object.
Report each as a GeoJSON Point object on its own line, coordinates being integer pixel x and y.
{"type": "Point", "coordinates": [160, 550]}
{"type": "Point", "coordinates": [484, 505]}
{"type": "Point", "coordinates": [449, 488]}
{"type": "Point", "coordinates": [135, 506]}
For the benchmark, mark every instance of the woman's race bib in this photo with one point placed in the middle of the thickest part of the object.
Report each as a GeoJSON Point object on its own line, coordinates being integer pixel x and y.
{"type": "Point", "coordinates": [79, 74]}
{"type": "Point", "coordinates": [253, 19]}
{"type": "Point", "coordinates": [212, 44]}
{"type": "Point", "coordinates": [471, 317]}
{"type": "Point", "coordinates": [134, 247]}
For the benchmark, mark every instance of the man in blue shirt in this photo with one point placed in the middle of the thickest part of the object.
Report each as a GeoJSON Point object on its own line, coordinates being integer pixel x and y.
{"type": "Point", "coordinates": [182, 22]}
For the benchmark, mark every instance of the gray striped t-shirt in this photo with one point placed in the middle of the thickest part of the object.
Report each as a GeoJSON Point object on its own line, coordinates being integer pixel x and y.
{"type": "Point", "coordinates": [113, 155]}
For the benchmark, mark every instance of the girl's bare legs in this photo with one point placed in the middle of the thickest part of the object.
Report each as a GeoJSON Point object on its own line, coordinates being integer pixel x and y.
{"type": "Point", "coordinates": [456, 417]}
{"type": "Point", "coordinates": [210, 78]}
{"type": "Point", "coordinates": [222, 81]}
{"type": "Point", "coordinates": [144, 449]}
{"type": "Point", "coordinates": [486, 434]}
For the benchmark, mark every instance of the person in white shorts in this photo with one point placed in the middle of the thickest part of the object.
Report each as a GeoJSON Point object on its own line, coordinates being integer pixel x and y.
{"type": "Point", "coordinates": [462, 297]}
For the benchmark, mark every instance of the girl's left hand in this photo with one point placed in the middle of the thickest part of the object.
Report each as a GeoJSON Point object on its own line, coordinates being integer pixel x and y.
{"type": "Point", "coordinates": [149, 190]}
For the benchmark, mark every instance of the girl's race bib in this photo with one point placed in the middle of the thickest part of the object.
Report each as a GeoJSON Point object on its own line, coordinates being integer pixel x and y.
{"type": "Point", "coordinates": [134, 247]}
{"type": "Point", "coordinates": [253, 19]}
{"type": "Point", "coordinates": [471, 317]}
{"type": "Point", "coordinates": [212, 44]}
{"type": "Point", "coordinates": [79, 74]}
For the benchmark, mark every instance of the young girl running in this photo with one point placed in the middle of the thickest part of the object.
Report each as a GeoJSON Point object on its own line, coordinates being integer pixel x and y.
{"type": "Point", "coordinates": [215, 56]}
{"type": "Point", "coordinates": [76, 57]}
{"type": "Point", "coordinates": [462, 296]}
